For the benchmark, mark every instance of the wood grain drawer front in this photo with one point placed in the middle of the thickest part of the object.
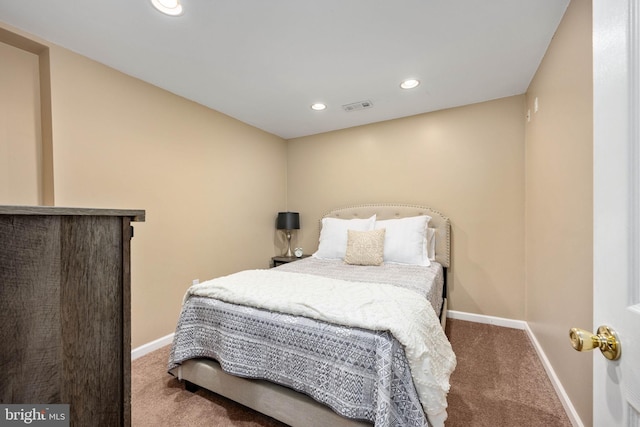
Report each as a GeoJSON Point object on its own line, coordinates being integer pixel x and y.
{"type": "Point", "coordinates": [31, 355]}
{"type": "Point", "coordinates": [91, 318]}
{"type": "Point", "coordinates": [64, 313]}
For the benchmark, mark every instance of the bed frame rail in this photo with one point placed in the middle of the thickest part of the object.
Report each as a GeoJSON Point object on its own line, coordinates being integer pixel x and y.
{"type": "Point", "coordinates": [281, 403]}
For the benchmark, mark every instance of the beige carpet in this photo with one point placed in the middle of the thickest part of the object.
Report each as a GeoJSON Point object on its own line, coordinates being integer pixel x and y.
{"type": "Point", "coordinates": [499, 381]}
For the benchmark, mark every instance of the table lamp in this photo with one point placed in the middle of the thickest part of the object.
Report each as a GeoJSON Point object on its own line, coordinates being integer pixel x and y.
{"type": "Point", "coordinates": [288, 221]}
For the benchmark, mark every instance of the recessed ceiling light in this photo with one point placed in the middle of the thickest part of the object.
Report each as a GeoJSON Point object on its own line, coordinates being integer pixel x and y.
{"type": "Point", "coordinates": [318, 106]}
{"type": "Point", "coordinates": [168, 7]}
{"type": "Point", "coordinates": [409, 84]}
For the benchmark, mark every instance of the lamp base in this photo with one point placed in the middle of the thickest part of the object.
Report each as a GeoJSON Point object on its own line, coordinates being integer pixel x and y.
{"type": "Point", "coordinates": [289, 253]}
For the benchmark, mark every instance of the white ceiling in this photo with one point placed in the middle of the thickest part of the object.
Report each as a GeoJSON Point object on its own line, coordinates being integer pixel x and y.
{"type": "Point", "coordinates": [265, 62]}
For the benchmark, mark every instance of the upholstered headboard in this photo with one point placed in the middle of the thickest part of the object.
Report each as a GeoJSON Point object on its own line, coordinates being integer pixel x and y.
{"type": "Point", "coordinates": [390, 211]}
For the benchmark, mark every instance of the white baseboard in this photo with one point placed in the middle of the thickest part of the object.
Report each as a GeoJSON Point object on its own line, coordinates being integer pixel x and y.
{"type": "Point", "coordinates": [149, 347]}
{"type": "Point", "coordinates": [521, 324]}
{"type": "Point", "coordinates": [490, 320]}
{"type": "Point", "coordinates": [555, 381]}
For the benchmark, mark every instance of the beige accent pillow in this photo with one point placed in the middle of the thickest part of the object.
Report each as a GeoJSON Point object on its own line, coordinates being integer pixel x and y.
{"type": "Point", "coordinates": [365, 247]}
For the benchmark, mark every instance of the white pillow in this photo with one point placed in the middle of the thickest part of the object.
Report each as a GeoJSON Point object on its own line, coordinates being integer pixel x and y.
{"type": "Point", "coordinates": [431, 243]}
{"type": "Point", "coordinates": [333, 236]}
{"type": "Point", "coordinates": [405, 240]}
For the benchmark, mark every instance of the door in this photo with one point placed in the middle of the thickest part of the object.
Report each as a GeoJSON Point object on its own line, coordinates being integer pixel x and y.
{"type": "Point", "coordinates": [616, 99]}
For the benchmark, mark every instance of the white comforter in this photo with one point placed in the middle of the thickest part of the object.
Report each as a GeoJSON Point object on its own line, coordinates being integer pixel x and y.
{"type": "Point", "coordinates": [408, 317]}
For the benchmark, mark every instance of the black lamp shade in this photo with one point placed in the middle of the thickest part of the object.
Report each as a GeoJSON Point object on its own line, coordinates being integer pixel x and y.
{"type": "Point", "coordinates": [288, 221]}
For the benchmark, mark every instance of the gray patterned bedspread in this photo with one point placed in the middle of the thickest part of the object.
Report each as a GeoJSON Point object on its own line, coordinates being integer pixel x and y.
{"type": "Point", "coordinates": [360, 374]}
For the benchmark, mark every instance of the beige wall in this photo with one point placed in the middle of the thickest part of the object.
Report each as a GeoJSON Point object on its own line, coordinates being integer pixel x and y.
{"type": "Point", "coordinates": [559, 237]}
{"type": "Point", "coordinates": [467, 163]}
{"type": "Point", "coordinates": [211, 185]}
{"type": "Point", "coordinates": [20, 138]}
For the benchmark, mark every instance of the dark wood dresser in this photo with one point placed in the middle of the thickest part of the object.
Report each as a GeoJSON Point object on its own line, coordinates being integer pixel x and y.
{"type": "Point", "coordinates": [65, 310]}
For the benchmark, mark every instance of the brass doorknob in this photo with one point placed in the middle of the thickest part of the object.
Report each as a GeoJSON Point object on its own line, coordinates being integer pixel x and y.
{"type": "Point", "coordinates": [606, 340]}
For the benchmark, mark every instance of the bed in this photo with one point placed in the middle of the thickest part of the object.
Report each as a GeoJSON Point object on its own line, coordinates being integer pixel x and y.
{"type": "Point", "coordinates": [319, 359]}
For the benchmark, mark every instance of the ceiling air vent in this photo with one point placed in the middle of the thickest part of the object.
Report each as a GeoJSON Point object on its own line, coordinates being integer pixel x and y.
{"type": "Point", "coordinates": [362, 105]}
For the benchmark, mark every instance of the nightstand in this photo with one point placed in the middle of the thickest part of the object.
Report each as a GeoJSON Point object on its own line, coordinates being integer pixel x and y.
{"type": "Point", "coordinates": [278, 260]}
